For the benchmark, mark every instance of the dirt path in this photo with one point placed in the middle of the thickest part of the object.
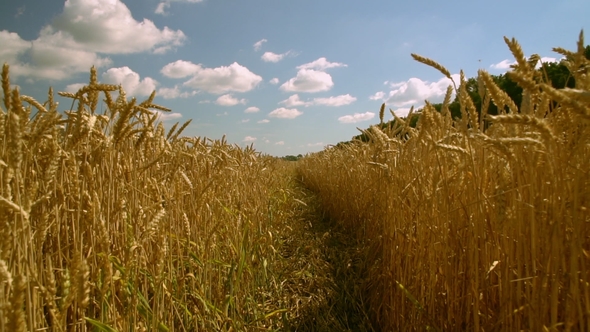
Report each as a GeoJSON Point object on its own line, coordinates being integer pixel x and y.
{"type": "Point", "coordinates": [330, 271]}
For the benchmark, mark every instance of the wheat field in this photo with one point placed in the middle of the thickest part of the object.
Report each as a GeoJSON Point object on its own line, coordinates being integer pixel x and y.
{"type": "Point", "coordinates": [473, 224]}
{"type": "Point", "coordinates": [108, 222]}
{"type": "Point", "coordinates": [111, 222]}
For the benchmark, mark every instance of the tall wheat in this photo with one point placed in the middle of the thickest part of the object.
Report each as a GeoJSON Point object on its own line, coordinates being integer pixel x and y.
{"type": "Point", "coordinates": [468, 228]}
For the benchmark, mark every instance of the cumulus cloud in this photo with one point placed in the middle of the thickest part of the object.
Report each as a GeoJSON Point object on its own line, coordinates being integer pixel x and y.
{"type": "Point", "coordinates": [285, 113]}
{"type": "Point", "coordinates": [130, 80]}
{"type": "Point", "coordinates": [46, 58]}
{"type": "Point", "coordinates": [234, 77]}
{"type": "Point", "coordinates": [335, 101]}
{"type": "Point", "coordinates": [504, 65]}
{"type": "Point", "coordinates": [341, 100]}
{"type": "Point", "coordinates": [229, 100]}
{"type": "Point", "coordinates": [294, 100]}
{"type": "Point", "coordinates": [252, 109]}
{"type": "Point", "coordinates": [311, 77]}
{"type": "Point", "coordinates": [164, 116]}
{"type": "Point", "coordinates": [274, 81]}
{"type": "Point", "coordinates": [546, 59]}
{"type": "Point", "coordinates": [175, 92]}
{"type": "Point", "coordinates": [280, 143]}
{"type": "Point", "coordinates": [264, 121]}
{"type": "Point", "coordinates": [249, 139]}
{"type": "Point", "coordinates": [273, 57]}
{"type": "Point", "coordinates": [258, 44]}
{"type": "Point", "coordinates": [12, 46]}
{"type": "Point", "coordinates": [377, 96]}
{"type": "Point", "coordinates": [73, 88]}
{"type": "Point", "coordinates": [356, 117]}
{"type": "Point", "coordinates": [245, 120]}
{"type": "Point", "coordinates": [321, 64]}
{"type": "Point", "coordinates": [180, 69]}
{"type": "Point", "coordinates": [75, 38]}
{"type": "Point", "coordinates": [414, 91]}
{"type": "Point", "coordinates": [162, 6]}
{"type": "Point", "coordinates": [309, 80]}
{"type": "Point", "coordinates": [107, 26]}
{"type": "Point", "coordinates": [402, 112]}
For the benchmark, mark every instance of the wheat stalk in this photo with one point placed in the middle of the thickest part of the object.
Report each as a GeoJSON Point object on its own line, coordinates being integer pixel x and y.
{"type": "Point", "coordinates": [433, 64]}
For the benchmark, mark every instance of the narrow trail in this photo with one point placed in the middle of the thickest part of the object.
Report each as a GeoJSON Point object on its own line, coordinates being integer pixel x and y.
{"type": "Point", "coordinates": [330, 267]}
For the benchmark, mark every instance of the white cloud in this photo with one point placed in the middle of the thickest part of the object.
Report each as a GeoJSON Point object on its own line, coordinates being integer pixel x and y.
{"type": "Point", "coordinates": [221, 114]}
{"type": "Point", "coordinates": [234, 77]}
{"type": "Point", "coordinates": [294, 100]}
{"type": "Point", "coordinates": [169, 93]}
{"type": "Point", "coordinates": [252, 109]}
{"type": "Point", "coordinates": [249, 139]}
{"type": "Point", "coordinates": [130, 80]}
{"type": "Point", "coordinates": [414, 91]}
{"type": "Point", "coordinates": [48, 59]}
{"type": "Point", "coordinates": [273, 57]}
{"type": "Point", "coordinates": [341, 100]}
{"type": "Point", "coordinates": [356, 117]}
{"type": "Point", "coordinates": [72, 42]}
{"type": "Point", "coordinates": [315, 144]}
{"type": "Point", "coordinates": [311, 77]}
{"type": "Point", "coordinates": [274, 81]}
{"type": "Point", "coordinates": [165, 116]}
{"type": "Point", "coordinates": [377, 96]}
{"type": "Point", "coordinates": [175, 92]}
{"type": "Point", "coordinates": [258, 44]}
{"type": "Point", "coordinates": [73, 88]}
{"type": "Point", "coordinates": [503, 65]}
{"type": "Point", "coordinates": [280, 143]}
{"type": "Point", "coordinates": [309, 80]}
{"type": "Point", "coordinates": [335, 101]}
{"type": "Point", "coordinates": [162, 6]}
{"type": "Point", "coordinates": [546, 59]}
{"type": "Point", "coordinates": [180, 69]}
{"type": "Point", "coordinates": [12, 47]}
{"type": "Point", "coordinates": [245, 120]}
{"type": "Point", "coordinates": [321, 64]}
{"type": "Point", "coordinates": [402, 112]}
{"type": "Point", "coordinates": [285, 113]}
{"type": "Point", "coordinates": [229, 100]}
{"type": "Point", "coordinates": [264, 121]}
{"type": "Point", "coordinates": [107, 26]}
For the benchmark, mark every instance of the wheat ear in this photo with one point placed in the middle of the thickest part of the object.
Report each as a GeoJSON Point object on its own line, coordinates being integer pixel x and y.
{"type": "Point", "coordinates": [433, 64]}
{"type": "Point", "coordinates": [6, 86]}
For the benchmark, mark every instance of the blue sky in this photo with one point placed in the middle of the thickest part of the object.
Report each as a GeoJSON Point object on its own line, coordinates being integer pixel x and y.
{"type": "Point", "coordinates": [289, 77]}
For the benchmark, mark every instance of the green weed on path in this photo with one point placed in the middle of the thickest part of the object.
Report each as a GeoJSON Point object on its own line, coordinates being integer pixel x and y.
{"type": "Point", "coordinates": [330, 265]}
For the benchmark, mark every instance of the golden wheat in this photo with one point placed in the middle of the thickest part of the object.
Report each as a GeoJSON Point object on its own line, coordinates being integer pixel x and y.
{"type": "Point", "coordinates": [116, 223]}
{"type": "Point", "coordinates": [475, 229]}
